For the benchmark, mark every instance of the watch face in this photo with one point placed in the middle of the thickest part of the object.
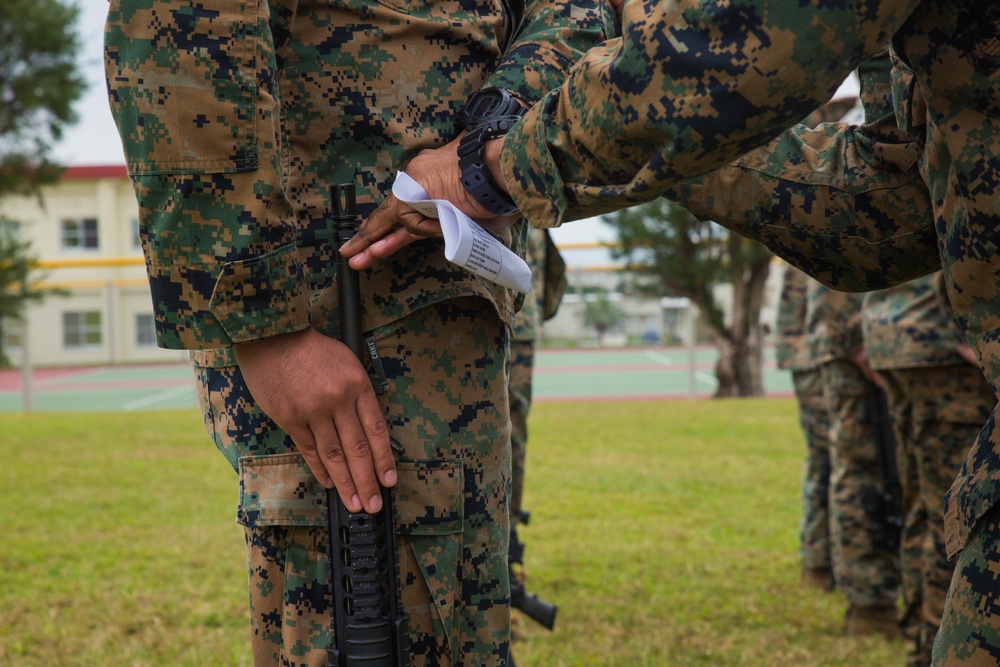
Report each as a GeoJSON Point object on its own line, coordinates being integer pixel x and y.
{"type": "Point", "coordinates": [481, 106]}
{"type": "Point", "coordinates": [487, 104]}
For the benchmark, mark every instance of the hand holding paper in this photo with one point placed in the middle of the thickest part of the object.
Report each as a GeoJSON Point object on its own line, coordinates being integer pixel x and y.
{"type": "Point", "coordinates": [466, 243]}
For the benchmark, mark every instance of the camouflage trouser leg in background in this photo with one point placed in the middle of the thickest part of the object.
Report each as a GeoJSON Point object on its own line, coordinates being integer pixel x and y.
{"type": "Point", "coordinates": [864, 569]}
{"type": "Point", "coordinates": [447, 405]}
{"type": "Point", "coordinates": [814, 417]}
{"type": "Point", "coordinates": [937, 413]}
{"type": "Point", "coordinates": [522, 364]}
{"type": "Point", "coordinates": [970, 627]}
{"type": "Point", "coordinates": [915, 516]}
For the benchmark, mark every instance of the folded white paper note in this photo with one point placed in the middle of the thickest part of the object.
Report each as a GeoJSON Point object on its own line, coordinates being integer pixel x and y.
{"type": "Point", "coordinates": [465, 242]}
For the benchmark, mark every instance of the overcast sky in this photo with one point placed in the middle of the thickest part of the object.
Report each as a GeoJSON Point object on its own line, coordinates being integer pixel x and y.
{"type": "Point", "coordinates": [93, 139]}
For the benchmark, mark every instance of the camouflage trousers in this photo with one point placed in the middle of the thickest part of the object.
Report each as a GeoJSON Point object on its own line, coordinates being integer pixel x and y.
{"type": "Point", "coordinates": [937, 413]}
{"type": "Point", "coordinates": [970, 627]}
{"type": "Point", "coordinates": [447, 405]}
{"type": "Point", "coordinates": [814, 531]}
{"type": "Point", "coordinates": [865, 568]}
{"type": "Point", "coordinates": [522, 364]}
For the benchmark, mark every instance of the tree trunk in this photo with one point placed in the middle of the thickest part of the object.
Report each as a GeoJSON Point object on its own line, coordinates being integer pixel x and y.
{"type": "Point", "coordinates": [738, 369]}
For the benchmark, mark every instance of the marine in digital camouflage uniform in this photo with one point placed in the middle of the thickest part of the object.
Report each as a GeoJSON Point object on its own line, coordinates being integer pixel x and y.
{"type": "Point", "coordinates": [865, 569]}
{"type": "Point", "coordinates": [692, 86]}
{"type": "Point", "coordinates": [792, 354]}
{"type": "Point", "coordinates": [527, 329]}
{"type": "Point", "coordinates": [236, 117]}
{"type": "Point", "coordinates": [939, 401]}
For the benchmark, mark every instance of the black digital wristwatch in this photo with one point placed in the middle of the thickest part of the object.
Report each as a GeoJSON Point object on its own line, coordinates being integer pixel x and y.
{"type": "Point", "coordinates": [486, 104]}
{"type": "Point", "coordinates": [488, 114]}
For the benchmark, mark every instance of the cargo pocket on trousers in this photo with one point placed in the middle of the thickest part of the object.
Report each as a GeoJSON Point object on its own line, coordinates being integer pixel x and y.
{"type": "Point", "coordinates": [279, 490]}
{"type": "Point", "coordinates": [182, 85]}
{"type": "Point", "coordinates": [429, 505]}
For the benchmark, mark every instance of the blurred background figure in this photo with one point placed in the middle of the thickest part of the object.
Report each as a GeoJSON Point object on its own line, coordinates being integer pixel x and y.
{"type": "Point", "coordinates": [865, 567]}
{"type": "Point", "coordinates": [939, 400]}
{"type": "Point", "coordinates": [792, 354]}
{"type": "Point", "coordinates": [548, 284]}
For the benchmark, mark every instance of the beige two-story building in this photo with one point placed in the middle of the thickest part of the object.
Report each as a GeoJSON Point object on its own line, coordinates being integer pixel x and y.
{"type": "Point", "coordinates": [85, 232]}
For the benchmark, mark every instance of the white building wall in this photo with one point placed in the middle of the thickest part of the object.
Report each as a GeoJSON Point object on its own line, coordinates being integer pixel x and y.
{"type": "Point", "coordinates": [109, 279]}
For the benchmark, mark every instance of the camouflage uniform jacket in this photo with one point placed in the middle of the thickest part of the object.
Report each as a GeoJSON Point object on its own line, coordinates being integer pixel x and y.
{"type": "Point", "coordinates": [911, 325]}
{"type": "Point", "coordinates": [227, 277]}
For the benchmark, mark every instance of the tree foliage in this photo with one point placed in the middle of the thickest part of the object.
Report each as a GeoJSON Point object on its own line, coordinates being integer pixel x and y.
{"type": "Point", "coordinates": [679, 255]}
{"type": "Point", "coordinates": [601, 313]}
{"type": "Point", "coordinates": [39, 83]}
{"type": "Point", "coordinates": [19, 281]}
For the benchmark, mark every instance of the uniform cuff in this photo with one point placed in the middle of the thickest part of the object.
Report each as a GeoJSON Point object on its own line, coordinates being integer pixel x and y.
{"type": "Point", "coordinates": [529, 171]}
{"type": "Point", "coordinates": [261, 297]}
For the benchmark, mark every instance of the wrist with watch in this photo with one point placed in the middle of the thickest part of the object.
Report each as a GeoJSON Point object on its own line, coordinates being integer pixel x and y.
{"type": "Point", "coordinates": [487, 114]}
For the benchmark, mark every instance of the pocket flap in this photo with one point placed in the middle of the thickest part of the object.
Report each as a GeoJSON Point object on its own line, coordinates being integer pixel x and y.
{"type": "Point", "coordinates": [428, 497]}
{"type": "Point", "coordinates": [280, 490]}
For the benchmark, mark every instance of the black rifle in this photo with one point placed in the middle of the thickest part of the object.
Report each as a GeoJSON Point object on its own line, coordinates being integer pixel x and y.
{"type": "Point", "coordinates": [370, 627]}
{"type": "Point", "coordinates": [891, 501]}
{"type": "Point", "coordinates": [536, 609]}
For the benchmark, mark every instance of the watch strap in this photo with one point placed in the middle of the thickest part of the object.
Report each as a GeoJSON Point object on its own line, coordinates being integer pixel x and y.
{"type": "Point", "coordinates": [476, 177]}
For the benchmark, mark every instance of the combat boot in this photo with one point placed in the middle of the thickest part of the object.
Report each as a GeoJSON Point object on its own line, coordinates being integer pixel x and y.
{"type": "Point", "coordinates": [817, 577]}
{"type": "Point", "coordinates": [876, 620]}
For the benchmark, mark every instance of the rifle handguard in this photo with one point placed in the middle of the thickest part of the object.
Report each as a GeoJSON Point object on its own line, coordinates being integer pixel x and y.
{"type": "Point", "coordinates": [370, 627]}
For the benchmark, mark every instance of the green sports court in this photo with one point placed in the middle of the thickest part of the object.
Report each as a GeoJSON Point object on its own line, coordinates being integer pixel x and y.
{"type": "Point", "coordinates": [560, 375]}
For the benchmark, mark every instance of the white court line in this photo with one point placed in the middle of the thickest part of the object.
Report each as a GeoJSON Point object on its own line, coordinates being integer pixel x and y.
{"type": "Point", "coordinates": [660, 358]}
{"type": "Point", "coordinates": [707, 379]}
{"type": "Point", "coordinates": [165, 395]}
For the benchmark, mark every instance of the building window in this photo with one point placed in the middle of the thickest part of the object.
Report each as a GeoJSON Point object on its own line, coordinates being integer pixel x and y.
{"type": "Point", "coordinates": [10, 336]}
{"type": "Point", "coordinates": [81, 329]}
{"type": "Point", "coordinates": [145, 331]}
{"type": "Point", "coordinates": [80, 233]}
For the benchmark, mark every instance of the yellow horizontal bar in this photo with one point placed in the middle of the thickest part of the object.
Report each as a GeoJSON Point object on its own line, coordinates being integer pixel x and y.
{"type": "Point", "coordinates": [90, 284]}
{"type": "Point", "coordinates": [90, 262]}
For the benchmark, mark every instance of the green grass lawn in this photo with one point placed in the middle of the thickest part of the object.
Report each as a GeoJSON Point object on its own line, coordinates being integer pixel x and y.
{"type": "Point", "coordinates": [666, 532]}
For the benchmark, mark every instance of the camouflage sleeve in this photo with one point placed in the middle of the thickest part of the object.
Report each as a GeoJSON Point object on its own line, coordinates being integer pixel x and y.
{"type": "Point", "coordinates": [191, 88]}
{"type": "Point", "coordinates": [844, 203]}
{"type": "Point", "coordinates": [950, 326]}
{"type": "Point", "coordinates": [689, 86]}
{"type": "Point", "coordinates": [552, 36]}
{"type": "Point", "coordinates": [833, 322]}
